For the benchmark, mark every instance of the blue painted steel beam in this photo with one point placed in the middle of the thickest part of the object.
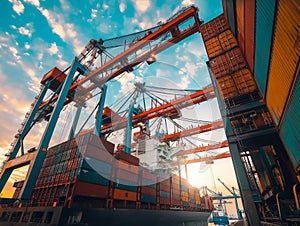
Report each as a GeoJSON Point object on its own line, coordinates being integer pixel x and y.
{"type": "Point", "coordinates": [42, 149]}
{"type": "Point", "coordinates": [239, 168]}
{"type": "Point", "coordinates": [98, 124]}
{"type": "Point", "coordinates": [28, 124]}
{"type": "Point", "coordinates": [128, 131]}
{"type": "Point", "coordinates": [75, 122]}
{"type": "Point", "coordinates": [27, 127]}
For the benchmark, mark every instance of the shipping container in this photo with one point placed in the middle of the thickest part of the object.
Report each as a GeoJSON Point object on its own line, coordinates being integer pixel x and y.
{"type": "Point", "coordinates": [284, 58]}
{"type": "Point", "coordinates": [90, 190]}
{"type": "Point", "coordinates": [227, 63]}
{"type": "Point", "coordinates": [148, 190]}
{"type": "Point", "coordinates": [227, 87]}
{"type": "Point", "coordinates": [220, 44]}
{"type": "Point", "coordinates": [121, 155]}
{"type": "Point", "coordinates": [213, 47]}
{"type": "Point", "coordinates": [290, 129]}
{"type": "Point", "coordinates": [240, 21]}
{"type": "Point", "coordinates": [213, 27]}
{"type": "Point", "coordinates": [146, 198]}
{"type": "Point", "coordinates": [231, 15]}
{"type": "Point", "coordinates": [265, 14]}
{"type": "Point", "coordinates": [227, 40]}
{"type": "Point", "coordinates": [55, 76]}
{"type": "Point", "coordinates": [249, 33]}
{"type": "Point", "coordinates": [120, 194]}
{"type": "Point", "coordinates": [244, 81]}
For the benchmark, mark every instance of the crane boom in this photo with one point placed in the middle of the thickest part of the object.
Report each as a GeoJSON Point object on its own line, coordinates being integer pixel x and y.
{"type": "Point", "coordinates": [204, 148]}
{"type": "Point", "coordinates": [154, 43]}
{"type": "Point", "coordinates": [164, 109]}
{"type": "Point", "coordinates": [192, 131]}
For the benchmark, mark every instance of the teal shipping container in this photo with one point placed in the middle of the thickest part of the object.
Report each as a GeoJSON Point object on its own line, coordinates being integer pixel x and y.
{"type": "Point", "coordinates": [290, 129]}
{"type": "Point", "coordinates": [264, 25]}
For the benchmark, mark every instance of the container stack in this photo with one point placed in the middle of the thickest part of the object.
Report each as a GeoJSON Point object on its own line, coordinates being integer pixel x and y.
{"type": "Point", "coordinates": [125, 184]}
{"type": "Point", "coordinates": [85, 172]}
{"type": "Point", "coordinates": [235, 81]}
{"type": "Point", "coordinates": [164, 193]}
{"type": "Point", "coordinates": [148, 191]}
{"type": "Point", "coordinates": [79, 167]}
{"type": "Point", "coordinates": [176, 199]}
{"type": "Point", "coordinates": [18, 185]}
{"type": "Point", "coordinates": [185, 192]}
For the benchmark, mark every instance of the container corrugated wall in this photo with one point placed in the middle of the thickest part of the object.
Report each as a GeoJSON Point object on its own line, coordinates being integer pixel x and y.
{"type": "Point", "coordinates": [240, 19]}
{"type": "Point", "coordinates": [290, 130]}
{"type": "Point", "coordinates": [285, 57]}
{"type": "Point", "coordinates": [230, 7]}
{"type": "Point", "coordinates": [249, 32]}
{"type": "Point", "coordinates": [265, 13]}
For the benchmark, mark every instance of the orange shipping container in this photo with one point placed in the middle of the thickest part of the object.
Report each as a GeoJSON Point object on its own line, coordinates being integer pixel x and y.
{"type": "Point", "coordinates": [90, 190]}
{"type": "Point", "coordinates": [124, 195]}
{"type": "Point", "coordinates": [128, 167]}
{"type": "Point", "coordinates": [214, 27]}
{"type": "Point", "coordinates": [227, 40]}
{"type": "Point", "coordinates": [285, 57]}
{"type": "Point", "coordinates": [213, 47]}
{"type": "Point", "coordinates": [227, 87]}
{"type": "Point", "coordinates": [240, 17]}
{"type": "Point", "coordinates": [249, 33]}
{"type": "Point", "coordinates": [244, 81]}
{"type": "Point", "coordinates": [227, 63]}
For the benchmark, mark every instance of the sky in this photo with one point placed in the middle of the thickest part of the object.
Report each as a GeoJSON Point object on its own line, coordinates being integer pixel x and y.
{"type": "Point", "coordinates": [36, 35]}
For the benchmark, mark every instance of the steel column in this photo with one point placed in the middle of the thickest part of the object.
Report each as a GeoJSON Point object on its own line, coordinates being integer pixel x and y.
{"type": "Point", "coordinates": [98, 123]}
{"type": "Point", "coordinates": [6, 174]}
{"type": "Point", "coordinates": [242, 179]}
{"type": "Point", "coordinates": [127, 143]}
{"type": "Point", "coordinates": [75, 122]}
{"type": "Point", "coordinates": [42, 149]}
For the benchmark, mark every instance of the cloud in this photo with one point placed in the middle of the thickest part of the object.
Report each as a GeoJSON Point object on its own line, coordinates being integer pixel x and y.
{"type": "Point", "coordinates": [24, 31]}
{"type": "Point", "coordinates": [105, 6]}
{"type": "Point", "coordinates": [18, 7]}
{"type": "Point", "coordinates": [65, 5]}
{"type": "Point", "coordinates": [55, 22]}
{"type": "Point", "coordinates": [187, 2]}
{"type": "Point", "coordinates": [33, 2]}
{"type": "Point", "coordinates": [122, 7]}
{"type": "Point", "coordinates": [14, 52]}
{"type": "Point", "coordinates": [104, 28]}
{"type": "Point", "coordinates": [191, 68]}
{"type": "Point", "coordinates": [142, 5]}
{"type": "Point", "coordinates": [94, 13]}
{"type": "Point", "coordinates": [53, 49]}
{"type": "Point", "coordinates": [26, 45]}
{"type": "Point", "coordinates": [66, 31]}
{"type": "Point", "coordinates": [126, 81]}
{"type": "Point", "coordinates": [144, 24]}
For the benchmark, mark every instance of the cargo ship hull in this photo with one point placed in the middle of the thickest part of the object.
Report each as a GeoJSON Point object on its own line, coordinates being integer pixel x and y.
{"type": "Point", "coordinates": [62, 216]}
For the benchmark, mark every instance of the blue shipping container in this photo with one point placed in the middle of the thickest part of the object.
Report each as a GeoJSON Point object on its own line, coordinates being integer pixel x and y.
{"type": "Point", "coordinates": [148, 198]}
{"type": "Point", "coordinates": [93, 177]}
{"type": "Point", "coordinates": [96, 165]}
{"type": "Point", "coordinates": [164, 194]}
{"type": "Point", "coordinates": [265, 14]}
{"type": "Point", "coordinates": [290, 129]}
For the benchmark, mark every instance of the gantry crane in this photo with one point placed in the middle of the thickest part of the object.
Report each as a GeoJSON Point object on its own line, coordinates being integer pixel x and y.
{"type": "Point", "coordinates": [90, 71]}
{"type": "Point", "coordinates": [235, 196]}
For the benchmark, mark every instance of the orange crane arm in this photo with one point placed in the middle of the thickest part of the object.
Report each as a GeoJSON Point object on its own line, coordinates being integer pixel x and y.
{"type": "Point", "coordinates": [204, 159]}
{"type": "Point", "coordinates": [165, 109]}
{"type": "Point", "coordinates": [115, 67]}
{"type": "Point", "coordinates": [204, 148]}
{"type": "Point", "coordinates": [193, 131]}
